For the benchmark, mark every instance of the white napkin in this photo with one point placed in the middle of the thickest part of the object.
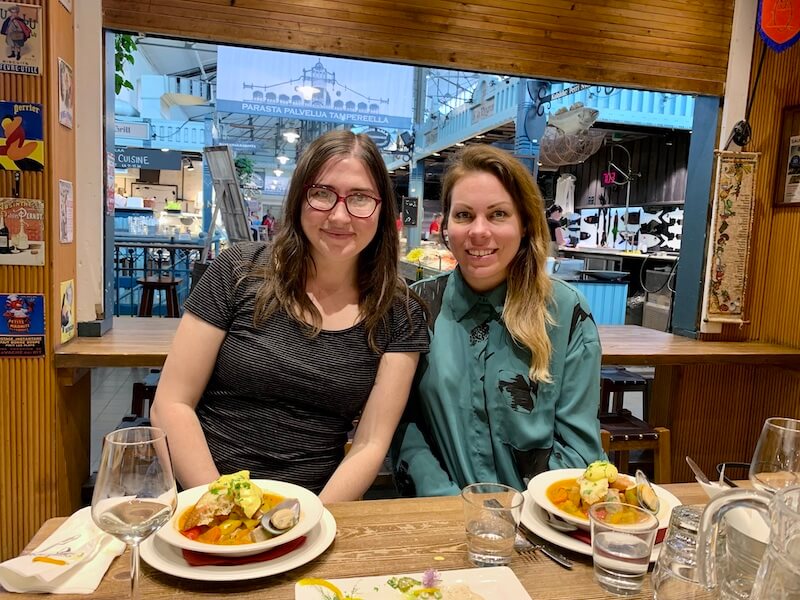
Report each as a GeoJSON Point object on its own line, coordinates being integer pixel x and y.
{"type": "Point", "coordinates": [76, 556]}
{"type": "Point", "coordinates": [747, 520]}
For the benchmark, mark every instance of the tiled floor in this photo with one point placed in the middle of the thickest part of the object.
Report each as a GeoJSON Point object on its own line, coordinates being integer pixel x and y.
{"type": "Point", "coordinates": [111, 400]}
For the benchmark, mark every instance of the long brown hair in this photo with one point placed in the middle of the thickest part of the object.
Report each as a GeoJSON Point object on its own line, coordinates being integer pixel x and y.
{"type": "Point", "coordinates": [291, 261]}
{"type": "Point", "coordinates": [530, 290]}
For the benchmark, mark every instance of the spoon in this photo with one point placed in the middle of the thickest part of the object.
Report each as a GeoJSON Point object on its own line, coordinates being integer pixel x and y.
{"type": "Point", "coordinates": [282, 516]}
{"type": "Point", "coordinates": [556, 522]}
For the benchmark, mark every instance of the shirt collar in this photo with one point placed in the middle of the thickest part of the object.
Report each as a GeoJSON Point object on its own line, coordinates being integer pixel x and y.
{"type": "Point", "coordinates": [464, 300]}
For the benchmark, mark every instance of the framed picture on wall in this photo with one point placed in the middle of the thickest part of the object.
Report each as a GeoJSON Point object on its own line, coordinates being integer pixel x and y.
{"type": "Point", "coordinates": [65, 93]}
{"type": "Point", "coordinates": [787, 190]}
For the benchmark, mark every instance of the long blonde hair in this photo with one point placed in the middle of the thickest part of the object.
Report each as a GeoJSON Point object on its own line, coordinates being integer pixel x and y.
{"type": "Point", "coordinates": [530, 290]}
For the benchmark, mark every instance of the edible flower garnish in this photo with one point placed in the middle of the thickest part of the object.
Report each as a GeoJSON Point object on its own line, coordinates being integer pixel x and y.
{"type": "Point", "coordinates": [431, 578]}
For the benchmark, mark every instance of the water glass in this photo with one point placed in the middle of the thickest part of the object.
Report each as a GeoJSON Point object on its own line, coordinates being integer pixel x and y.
{"type": "Point", "coordinates": [491, 515]}
{"type": "Point", "coordinates": [675, 575]}
{"type": "Point", "coordinates": [622, 541]}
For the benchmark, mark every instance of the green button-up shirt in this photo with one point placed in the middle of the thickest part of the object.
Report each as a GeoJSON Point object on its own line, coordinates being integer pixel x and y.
{"type": "Point", "coordinates": [474, 414]}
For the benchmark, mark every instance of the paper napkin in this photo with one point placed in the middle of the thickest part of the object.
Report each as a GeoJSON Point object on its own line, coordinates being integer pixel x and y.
{"type": "Point", "coordinates": [72, 560]}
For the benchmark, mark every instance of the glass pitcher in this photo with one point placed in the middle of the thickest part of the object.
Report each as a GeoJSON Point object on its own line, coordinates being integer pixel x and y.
{"type": "Point", "coordinates": [778, 575]}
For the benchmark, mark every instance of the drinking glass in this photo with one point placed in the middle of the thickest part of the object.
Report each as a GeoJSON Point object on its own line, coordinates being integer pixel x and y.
{"type": "Point", "coordinates": [622, 541]}
{"type": "Point", "coordinates": [675, 575]}
{"type": "Point", "coordinates": [135, 492]}
{"type": "Point", "coordinates": [491, 515]}
{"type": "Point", "coordinates": [776, 461]}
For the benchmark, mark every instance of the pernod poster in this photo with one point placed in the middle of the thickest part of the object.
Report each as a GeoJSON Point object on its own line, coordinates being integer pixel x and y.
{"type": "Point", "coordinates": [22, 33]}
{"type": "Point", "coordinates": [314, 88]}
{"type": "Point", "coordinates": [21, 136]}
{"type": "Point", "coordinates": [21, 325]}
{"type": "Point", "coordinates": [67, 310]}
{"type": "Point", "coordinates": [21, 232]}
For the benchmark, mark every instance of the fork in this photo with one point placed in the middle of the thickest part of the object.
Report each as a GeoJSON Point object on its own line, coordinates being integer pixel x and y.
{"type": "Point", "coordinates": [525, 549]}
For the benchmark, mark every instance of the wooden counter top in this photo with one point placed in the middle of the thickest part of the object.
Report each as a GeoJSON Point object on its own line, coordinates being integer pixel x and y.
{"type": "Point", "coordinates": [374, 537]}
{"type": "Point", "coordinates": [145, 342]}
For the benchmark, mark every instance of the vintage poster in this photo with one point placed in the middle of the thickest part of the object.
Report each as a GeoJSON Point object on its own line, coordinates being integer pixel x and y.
{"type": "Point", "coordinates": [21, 325]}
{"type": "Point", "coordinates": [22, 34]}
{"type": "Point", "coordinates": [67, 4]}
{"type": "Point", "coordinates": [66, 223]}
{"type": "Point", "coordinates": [67, 310]}
{"type": "Point", "coordinates": [65, 94]}
{"type": "Point", "coordinates": [22, 224]}
{"type": "Point", "coordinates": [731, 228]}
{"type": "Point", "coordinates": [22, 136]}
{"type": "Point", "coordinates": [791, 192]}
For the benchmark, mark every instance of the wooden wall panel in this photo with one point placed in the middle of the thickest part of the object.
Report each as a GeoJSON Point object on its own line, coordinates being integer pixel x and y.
{"type": "Point", "coordinates": [678, 45]}
{"type": "Point", "coordinates": [44, 428]}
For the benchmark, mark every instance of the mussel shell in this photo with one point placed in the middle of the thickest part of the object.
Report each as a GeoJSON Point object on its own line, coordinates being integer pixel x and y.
{"type": "Point", "coordinates": [645, 494]}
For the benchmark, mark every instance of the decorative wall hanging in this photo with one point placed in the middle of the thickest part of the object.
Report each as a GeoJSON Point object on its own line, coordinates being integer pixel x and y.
{"type": "Point", "coordinates": [731, 226]}
{"type": "Point", "coordinates": [787, 191]}
{"type": "Point", "coordinates": [66, 222]}
{"type": "Point", "coordinates": [21, 136]}
{"type": "Point", "coordinates": [22, 223]}
{"type": "Point", "coordinates": [22, 53]}
{"type": "Point", "coordinates": [779, 23]}
{"type": "Point", "coordinates": [65, 93]}
{"type": "Point", "coordinates": [21, 325]}
{"type": "Point", "coordinates": [67, 310]}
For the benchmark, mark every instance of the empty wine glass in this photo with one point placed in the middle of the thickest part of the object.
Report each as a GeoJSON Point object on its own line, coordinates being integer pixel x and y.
{"type": "Point", "coordinates": [776, 461]}
{"type": "Point", "coordinates": [135, 492]}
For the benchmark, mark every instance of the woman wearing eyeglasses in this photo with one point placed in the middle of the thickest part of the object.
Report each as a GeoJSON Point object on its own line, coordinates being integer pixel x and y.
{"type": "Point", "coordinates": [281, 347]}
{"type": "Point", "coordinates": [511, 385]}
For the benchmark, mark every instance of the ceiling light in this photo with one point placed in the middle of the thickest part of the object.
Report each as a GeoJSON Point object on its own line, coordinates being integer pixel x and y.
{"type": "Point", "coordinates": [459, 144]}
{"type": "Point", "coordinates": [274, 182]}
{"type": "Point", "coordinates": [436, 154]}
{"type": "Point", "coordinates": [480, 136]}
{"type": "Point", "coordinates": [278, 172]}
{"type": "Point", "coordinates": [306, 91]}
{"type": "Point", "coordinates": [165, 149]}
{"type": "Point", "coordinates": [282, 159]}
{"type": "Point", "coordinates": [291, 136]}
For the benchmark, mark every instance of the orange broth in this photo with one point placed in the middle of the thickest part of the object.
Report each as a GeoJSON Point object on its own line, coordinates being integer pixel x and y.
{"type": "Point", "coordinates": [268, 500]}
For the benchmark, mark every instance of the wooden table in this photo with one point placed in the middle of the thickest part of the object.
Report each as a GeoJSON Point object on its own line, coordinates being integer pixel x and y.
{"type": "Point", "coordinates": [377, 537]}
{"type": "Point", "coordinates": [145, 342]}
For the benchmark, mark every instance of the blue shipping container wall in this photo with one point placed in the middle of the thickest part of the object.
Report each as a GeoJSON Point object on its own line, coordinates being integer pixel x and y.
{"type": "Point", "coordinates": [607, 300]}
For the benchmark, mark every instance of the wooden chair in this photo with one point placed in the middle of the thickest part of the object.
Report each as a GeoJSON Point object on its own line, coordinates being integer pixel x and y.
{"type": "Point", "coordinates": [620, 444]}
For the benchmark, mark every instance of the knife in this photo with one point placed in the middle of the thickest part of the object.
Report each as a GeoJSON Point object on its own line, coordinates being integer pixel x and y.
{"type": "Point", "coordinates": [545, 547]}
{"type": "Point", "coordinates": [698, 472]}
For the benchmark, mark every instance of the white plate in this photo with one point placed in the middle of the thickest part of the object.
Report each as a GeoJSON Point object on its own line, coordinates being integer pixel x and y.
{"type": "Point", "coordinates": [310, 513]}
{"type": "Point", "coordinates": [534, 518]}
{"type": "Point", "coordinates": [488, 582]}
{"type": "Point", "coordinates": [169, 559]}
{"type": "Point", "coordinates": [537, 488]}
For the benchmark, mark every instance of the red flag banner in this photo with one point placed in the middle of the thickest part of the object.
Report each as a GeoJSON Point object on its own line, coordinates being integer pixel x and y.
{"type": "Point", "coordinates": [779, 23]}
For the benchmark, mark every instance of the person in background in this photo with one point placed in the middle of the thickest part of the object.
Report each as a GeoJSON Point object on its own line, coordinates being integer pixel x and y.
{"type": "Point", "coordinates": [282, 346]}
{"type": "Point", "coordinates": [435, 226]}
{"type": "Point", "coordinates": [554, 214]}
{"type": "Point", "coordinates": [511, 385]}
{"type": "Point", "coordinates": [269, 222]}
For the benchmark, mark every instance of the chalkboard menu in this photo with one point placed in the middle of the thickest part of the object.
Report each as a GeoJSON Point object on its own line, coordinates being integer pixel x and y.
{"type": "Point", "coordinates": [410, 212]}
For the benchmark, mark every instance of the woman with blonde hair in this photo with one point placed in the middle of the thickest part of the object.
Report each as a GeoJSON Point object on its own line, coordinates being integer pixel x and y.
{"type": "Point", "coordinates": [282, 347]}
{"type": "Point", "coordinates": [511, 384]}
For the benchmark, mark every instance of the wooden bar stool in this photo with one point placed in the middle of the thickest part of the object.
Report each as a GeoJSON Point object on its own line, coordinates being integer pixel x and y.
{"type": "Point", "coordinates": [621, 443]}
{"type": "Point", "coordinates": [165, 283]}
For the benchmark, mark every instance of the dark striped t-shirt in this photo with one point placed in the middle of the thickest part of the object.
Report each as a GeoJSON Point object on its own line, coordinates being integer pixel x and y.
{"type": "Point", "coordinates": [280, 403]}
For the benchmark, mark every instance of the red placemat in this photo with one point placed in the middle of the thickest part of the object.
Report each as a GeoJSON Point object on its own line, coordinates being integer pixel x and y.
{"type": "Point", "coordinates": [200, 559]}
{"type": "Point", "coordinates": [585, 536]}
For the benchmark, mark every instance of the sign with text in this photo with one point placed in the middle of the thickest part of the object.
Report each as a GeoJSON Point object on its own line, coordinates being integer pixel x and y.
{"type": "Point", "coordinates": [21, 325]}
{"type": "Point", "coordinates": [608, 178]}
{"type": "Point", "coordinates": [314, 88]}
{"type": "Point", "coordinates": [147, 158]}
{"type": "Point", "coordinates": [410, 212]}
{"type": "Point", "coordinates": [136, 131]}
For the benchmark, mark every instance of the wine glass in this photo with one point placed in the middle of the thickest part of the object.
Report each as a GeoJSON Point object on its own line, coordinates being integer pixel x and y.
{"type": "Point", "coordinates": [776, 461]}
{"type": "Point", "coordinates": [135, 492]}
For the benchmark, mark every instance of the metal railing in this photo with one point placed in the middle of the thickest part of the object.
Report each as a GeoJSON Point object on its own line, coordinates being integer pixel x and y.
{"type": "Point", "coordinates": [135, 261]}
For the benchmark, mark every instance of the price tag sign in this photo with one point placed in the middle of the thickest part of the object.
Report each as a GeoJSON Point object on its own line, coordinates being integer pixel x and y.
{"type": "Point", "coordinates": [410, 212]}
{"type": "Point", "coordinates": [608, 178]}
